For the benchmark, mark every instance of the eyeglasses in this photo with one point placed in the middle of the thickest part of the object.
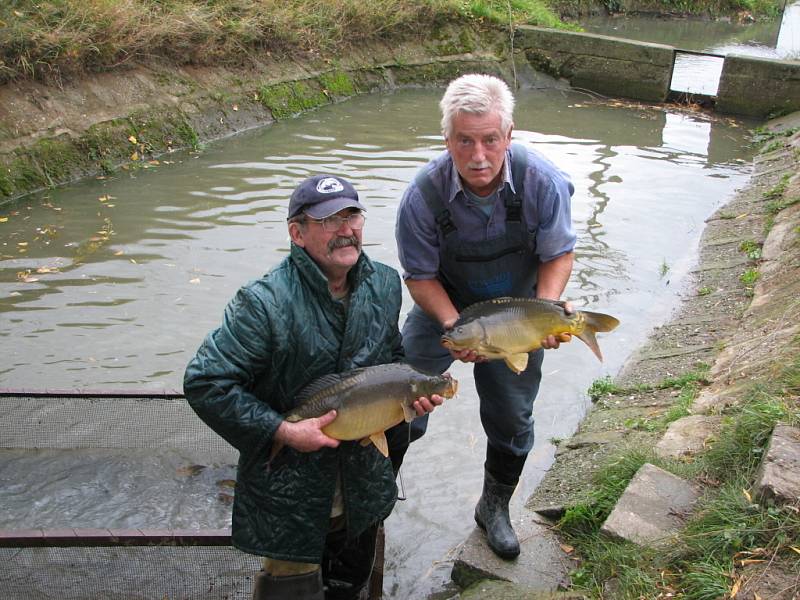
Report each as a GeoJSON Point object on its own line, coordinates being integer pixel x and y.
{"type": "Point", "coordinates": [334, 222]}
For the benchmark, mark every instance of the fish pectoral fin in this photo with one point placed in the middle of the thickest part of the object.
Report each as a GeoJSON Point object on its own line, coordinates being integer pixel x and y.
{"type": "Point", "coordinates": [409, 414]}
{"type": "Point", "coordinates": [276, 448]}
{"type": "Point", "coordinates": [517, 362]}
{"type": "Point", "coordinates": [379, 439]}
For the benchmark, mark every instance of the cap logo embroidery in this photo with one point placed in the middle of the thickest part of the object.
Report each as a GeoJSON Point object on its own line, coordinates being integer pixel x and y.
{"type": "Point", "coordinates": [329, 185]}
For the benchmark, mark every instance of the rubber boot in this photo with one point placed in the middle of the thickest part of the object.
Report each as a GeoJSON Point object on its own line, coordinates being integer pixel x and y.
{"type": "Point", "coordinates": [491, 515]}
{"type": "Point", "coordinates": [297, 587]}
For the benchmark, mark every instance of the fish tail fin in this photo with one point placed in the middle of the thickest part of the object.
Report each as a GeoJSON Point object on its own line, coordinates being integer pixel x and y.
{"type": "Point", "coordinates": [596, 322]}
{"type": "Point", "coordinates": [588, 338]}
{"type": "Point", "coordinates": [600, 322]}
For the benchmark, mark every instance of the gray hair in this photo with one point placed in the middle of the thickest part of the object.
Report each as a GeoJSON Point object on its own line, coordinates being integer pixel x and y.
{"type": "Point", "coordinates": [477, 94]}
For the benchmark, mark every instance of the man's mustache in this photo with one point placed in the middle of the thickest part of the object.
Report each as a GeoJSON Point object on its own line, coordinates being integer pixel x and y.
{"type": "Point", "coordinates": [343, 242]}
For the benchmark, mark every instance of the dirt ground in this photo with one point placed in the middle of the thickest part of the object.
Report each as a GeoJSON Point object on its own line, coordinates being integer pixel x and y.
{"type": "Point", "coordinates": [745, 334]}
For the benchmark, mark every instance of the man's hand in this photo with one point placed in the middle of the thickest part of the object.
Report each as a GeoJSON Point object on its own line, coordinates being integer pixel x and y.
{"type": "Point", "coordinates": [306, 435]}
{"type": "Point", "coordinates": [424, 405]}
{"type": "Point", "coordinates": [551, 342]}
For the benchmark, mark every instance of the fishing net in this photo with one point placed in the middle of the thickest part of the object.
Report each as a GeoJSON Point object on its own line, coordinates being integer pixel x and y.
{"type": "Point", "coordinates": [53, 450]}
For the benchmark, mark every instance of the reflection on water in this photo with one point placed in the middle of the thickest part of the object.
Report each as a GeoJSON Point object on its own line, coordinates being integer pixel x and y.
{"type": "Point", "coordinates": [113, 283]}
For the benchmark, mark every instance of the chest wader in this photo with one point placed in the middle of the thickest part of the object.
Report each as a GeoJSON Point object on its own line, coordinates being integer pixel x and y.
{"type": "Point", "coordinates": [502, 266]}
{"type": "Point", "coordinates": [474, 271]}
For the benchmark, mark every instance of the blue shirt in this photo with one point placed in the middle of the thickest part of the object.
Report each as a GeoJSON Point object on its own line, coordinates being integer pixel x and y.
{"type": "Point", "coordinates": [546, 211]}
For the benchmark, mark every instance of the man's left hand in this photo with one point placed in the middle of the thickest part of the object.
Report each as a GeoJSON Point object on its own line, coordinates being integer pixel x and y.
{"type": "Point", "coordinates": [424, 405]}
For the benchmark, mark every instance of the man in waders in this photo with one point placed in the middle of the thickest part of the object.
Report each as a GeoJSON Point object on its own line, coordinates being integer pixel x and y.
{"type": "Point", "coordinates": [486, 219]}
{"type": "Point", "coordinates": [313, 510]}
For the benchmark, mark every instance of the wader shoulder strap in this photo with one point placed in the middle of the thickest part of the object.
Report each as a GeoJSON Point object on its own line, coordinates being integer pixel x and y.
{"type": "Point", "coordinates": [519, 164]}
{"type": "Point", "coordinates": [434, 201]}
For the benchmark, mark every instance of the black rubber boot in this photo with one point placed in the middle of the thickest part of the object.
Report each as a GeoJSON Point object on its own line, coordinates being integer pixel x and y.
{"type": "Point", "coordinates": [297, 587]}
{"type": "Point", "coordinates": [491, 515]}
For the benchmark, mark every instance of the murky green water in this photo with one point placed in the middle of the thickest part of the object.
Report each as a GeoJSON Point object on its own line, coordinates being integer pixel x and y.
{"type": "Point", "coordinates": [113, 283]}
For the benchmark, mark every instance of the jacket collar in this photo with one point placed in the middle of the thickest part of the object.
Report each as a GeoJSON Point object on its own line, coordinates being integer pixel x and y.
{"type": "Point", "coordinates": [316, 279]}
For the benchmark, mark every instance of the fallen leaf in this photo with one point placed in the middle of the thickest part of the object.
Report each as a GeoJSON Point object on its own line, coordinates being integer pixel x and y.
{"type": "Point", "coordinates": [748, 496]}
{"type": "Point", "coordinates": [132, 139]}
{"type": "Point", "coordinates": [735, 588]}
{"type": "Point", "coordinates": [742, 216]}
{"type": "Point", "coordinates": [135, 156]}
{"type": "Point", "coordinates": [190, 470]}
{"type": "Point", "coordinates": [3, 219]}
{"type": "Point", "coordinates": [235, 107]}
{"type": "Point", "coordinates": [567, 548]}
{"type": "Point", "coordinates": [133, 261]}
{"type": "Point", "coordinates": [119, 253]}
{"type": "Point", "coordinates": [795, 549]}
{"type": "Point", "coordinates": [22, 243]}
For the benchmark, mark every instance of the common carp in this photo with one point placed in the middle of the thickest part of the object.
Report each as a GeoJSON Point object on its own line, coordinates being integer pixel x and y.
{"type": "Point", "coordinates": [509, 328]}
{"type": "Point", "coordinates": [369, 400]}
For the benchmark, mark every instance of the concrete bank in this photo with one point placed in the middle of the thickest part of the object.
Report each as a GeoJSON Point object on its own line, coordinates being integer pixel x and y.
{"type": "Point", "coordinates": [53, 135]}
{"type": "Point", "coordinates": [746, 332]}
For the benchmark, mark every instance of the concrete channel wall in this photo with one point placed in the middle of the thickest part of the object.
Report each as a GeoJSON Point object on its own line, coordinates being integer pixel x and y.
{"type": "Point", "coordinates": [754, 87]}
{"type": "Point", "coordinates": [758, 86]}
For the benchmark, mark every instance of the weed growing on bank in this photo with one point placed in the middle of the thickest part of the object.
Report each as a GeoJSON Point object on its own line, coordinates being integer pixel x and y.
{"type": "Point", "coordinates": [729, 529]}
{"type": "Point", "coordinates": [51, 39]}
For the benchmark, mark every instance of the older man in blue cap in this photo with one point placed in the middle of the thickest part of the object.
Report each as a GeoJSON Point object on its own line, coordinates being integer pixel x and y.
{"type": "Point", "coordinates": [314, 510]}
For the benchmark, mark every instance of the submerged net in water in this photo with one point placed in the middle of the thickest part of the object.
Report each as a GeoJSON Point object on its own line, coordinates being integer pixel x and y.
{"type": "Point", "coordinates": [115, 495]}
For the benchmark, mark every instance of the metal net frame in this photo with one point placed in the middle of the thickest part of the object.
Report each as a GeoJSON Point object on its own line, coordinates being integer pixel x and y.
{"type": "Point", "coordinates": [76, 564]}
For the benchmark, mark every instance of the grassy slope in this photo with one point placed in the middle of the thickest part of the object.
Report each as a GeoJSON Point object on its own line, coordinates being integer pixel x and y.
{"type": "Point", "coordinates": [53, 39]}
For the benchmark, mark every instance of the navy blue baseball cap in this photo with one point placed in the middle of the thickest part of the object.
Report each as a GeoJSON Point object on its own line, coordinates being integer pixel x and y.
{"type": "Point", "coordinates": [321, 196]}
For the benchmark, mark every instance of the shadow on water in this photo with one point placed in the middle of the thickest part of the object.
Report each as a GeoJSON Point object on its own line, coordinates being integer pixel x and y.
{"type": "Point", "coordinates": [113, 283]}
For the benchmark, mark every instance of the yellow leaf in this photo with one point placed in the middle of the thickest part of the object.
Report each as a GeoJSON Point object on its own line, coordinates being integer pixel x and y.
{"type": "Point", "coordinates": [567, 548]}
{"type": "Point", "coordinates": [119, 253]}
{"type": "Point", "coordinates": [22, 243]}
{"type": "Point", "coordinates": [795, 549]}
{"type": "Point", "coordinates": [735, 588]}
{"type": "Point", "coordinates": [756, 596]}
{"type": "Point", "coordinates": [748, 496]}
{"type": "Point", "coordinates": [751, 561]}
{"type": "Point", "coordinates": [135, 156]}
{"type": "Point", "coordinates": [132, 139]}
{"type": "Point", "coordinates": [235, 107]}
{"type": "Point", "coordinates": [133, 260]}
{"type": "Point", "coordinates": [3, 219]}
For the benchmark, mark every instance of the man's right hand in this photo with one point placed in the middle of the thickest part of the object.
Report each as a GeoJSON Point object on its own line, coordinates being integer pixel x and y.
{"type": "Point", "coordinates": [307, 435]}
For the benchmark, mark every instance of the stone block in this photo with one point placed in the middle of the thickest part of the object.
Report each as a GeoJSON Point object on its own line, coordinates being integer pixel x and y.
{"type": "Point", "coordinates": [603, 64]}
{"type": "Point", "coordinates": [758, 87]}
{"type": "Point", "coordinates": [688, 436]}
{"type": "Point", "coordinates": [778, 476]}
{"type": "Point", "coordinates": [653, 507]}
{"type": "Point", "coordinates": [542, 565]}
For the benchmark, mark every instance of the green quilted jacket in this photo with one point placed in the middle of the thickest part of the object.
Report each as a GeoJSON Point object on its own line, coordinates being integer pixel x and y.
{"type": "Point", "coordinates": [278, 334]}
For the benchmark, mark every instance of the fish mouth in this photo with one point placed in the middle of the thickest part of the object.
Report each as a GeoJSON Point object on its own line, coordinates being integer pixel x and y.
{"type": "Point", "coordinates": [452, 385]}
{"type": "Point", "coordinates": [447, 342]}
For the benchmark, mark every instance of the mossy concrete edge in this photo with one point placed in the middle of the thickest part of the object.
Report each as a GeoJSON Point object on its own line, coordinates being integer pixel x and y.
{"type": "Point", "coordinates": [53, 136]}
